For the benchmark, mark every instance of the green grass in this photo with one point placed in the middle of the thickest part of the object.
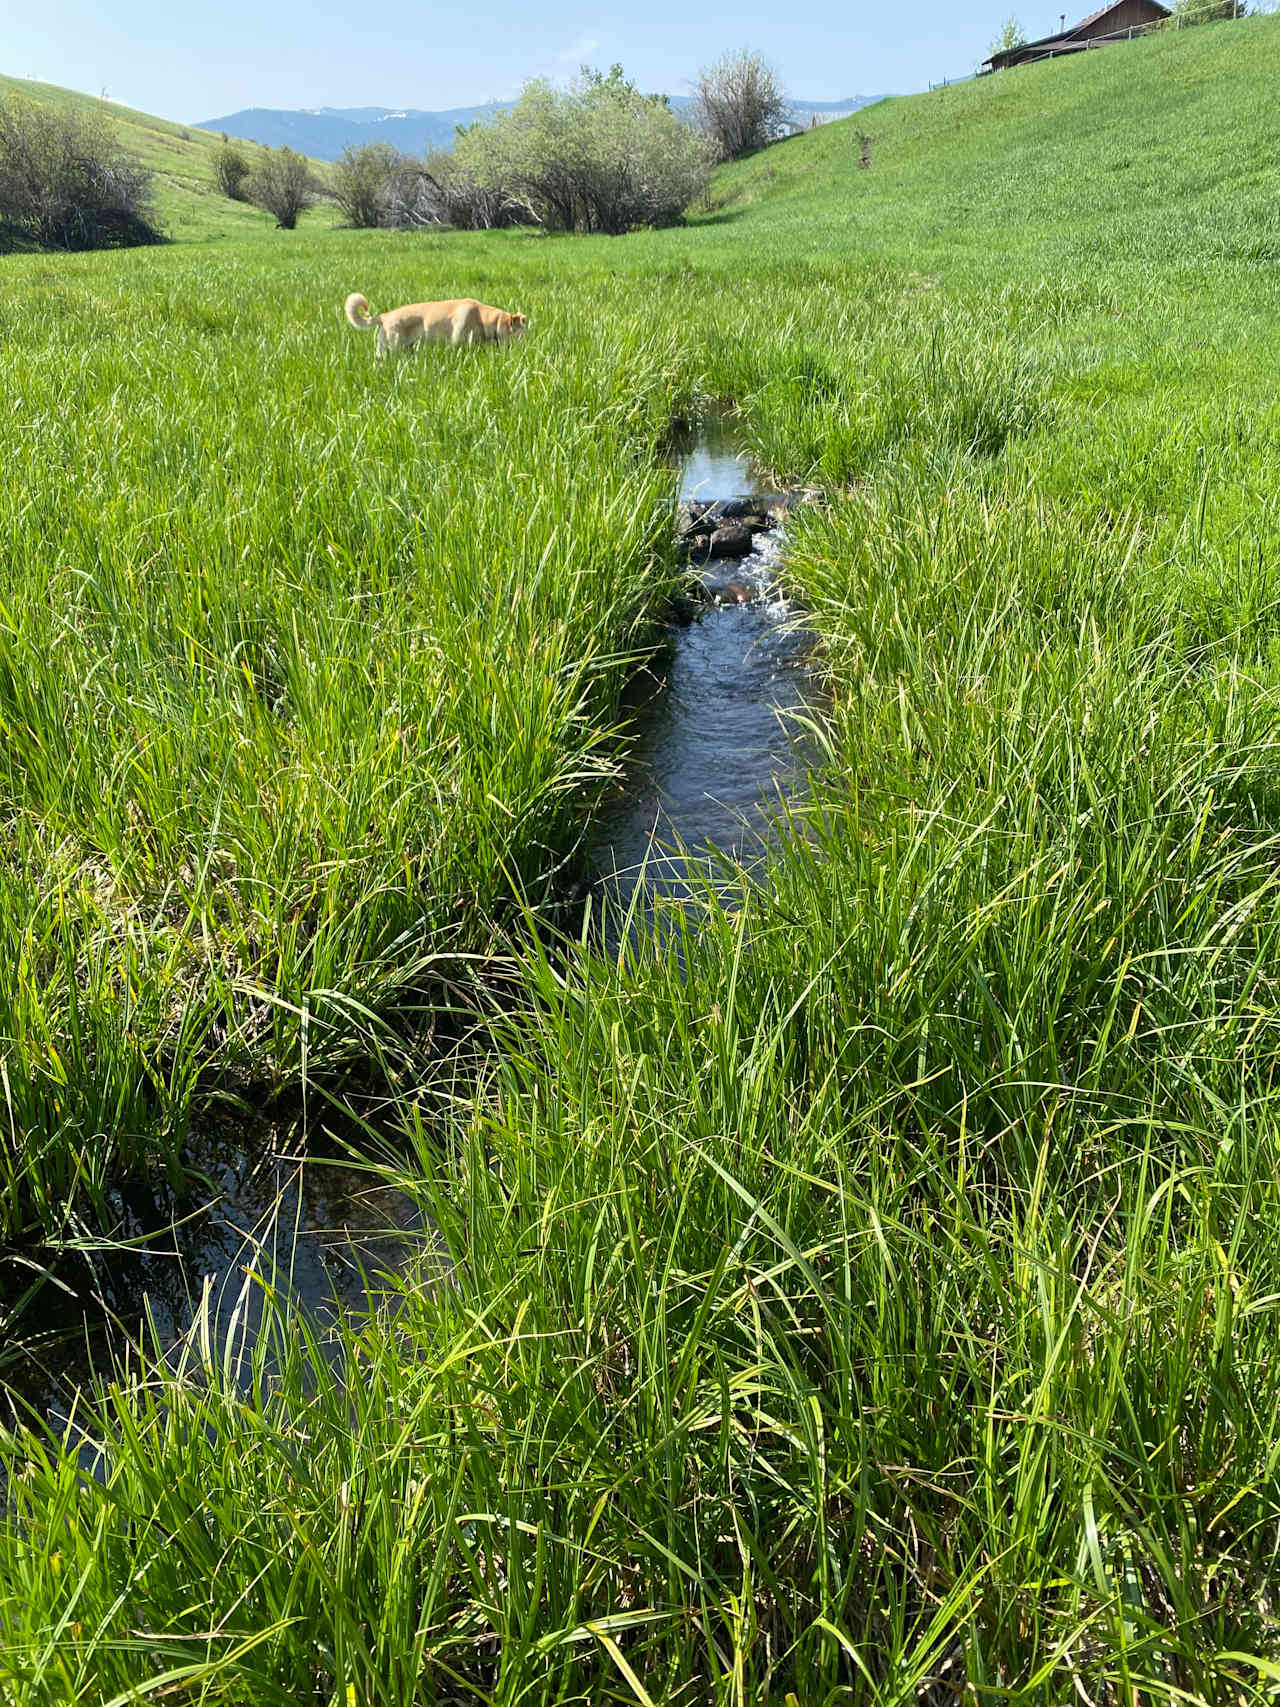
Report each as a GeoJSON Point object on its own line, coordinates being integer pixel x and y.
{"type": "Point", "coordinates": [288, 710]}
{"type": "Point", "coordinates": [866, 1284]}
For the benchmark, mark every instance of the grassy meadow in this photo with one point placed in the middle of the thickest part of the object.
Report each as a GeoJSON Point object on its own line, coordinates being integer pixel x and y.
{"type": "Point", "coordinates": [867, 1282]}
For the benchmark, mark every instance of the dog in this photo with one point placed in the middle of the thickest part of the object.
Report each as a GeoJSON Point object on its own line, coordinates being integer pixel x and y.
{"type": "Point", "coordinates": [461, 320]}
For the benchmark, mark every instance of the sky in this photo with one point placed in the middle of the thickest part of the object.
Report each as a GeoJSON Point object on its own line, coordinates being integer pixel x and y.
{"type": "Point", "coordinates": [195, 61]}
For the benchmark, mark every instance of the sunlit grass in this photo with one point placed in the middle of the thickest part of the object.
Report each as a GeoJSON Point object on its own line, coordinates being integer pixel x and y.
{"type": "Point", "coordinates": [865, 1284]}
{"type": "Point", "coordinates": [288, 706]}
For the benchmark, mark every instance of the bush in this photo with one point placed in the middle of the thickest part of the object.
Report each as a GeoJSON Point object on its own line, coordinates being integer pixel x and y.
{"type": "Point", "coordinates": [362, 181]}
{"type": "Point", "coordinates": [283, 183]}
{"type": "Point", "coordinates": [231, 166]}
{"type": "Point", "coordinates": [65, 182]}
{"type": "Point", "coordinates": [446, 191]}
{"type": "Point", "coordinates": [376, 185]}
{"type": "Point", "coordinates": [1187, 12]}
{"type": "Point", "coordinates": [598, 157]}
{"type": "Point", "coordinates": [738, 104]}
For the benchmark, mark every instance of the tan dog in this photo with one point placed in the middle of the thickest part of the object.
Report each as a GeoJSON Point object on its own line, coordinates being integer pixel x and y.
{"type": "Point", "coordinates": [461, 320]}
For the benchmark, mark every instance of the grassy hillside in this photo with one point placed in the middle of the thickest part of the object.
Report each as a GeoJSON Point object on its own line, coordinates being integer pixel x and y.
{"type": "Point", "coordinates": [1161, 149]}
{"type": "Point", "coordinates": [188, 203]}
{"type": "Point", "coordinates": [874, 1301]}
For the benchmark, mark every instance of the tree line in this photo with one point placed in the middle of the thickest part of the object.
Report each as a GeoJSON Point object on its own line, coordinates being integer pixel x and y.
{"type": "Point", "coordinates": [599, 156]}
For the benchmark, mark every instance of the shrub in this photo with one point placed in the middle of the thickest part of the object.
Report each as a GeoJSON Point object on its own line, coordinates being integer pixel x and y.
{"type": "Point", "coordinates": [446, 191]}
{"type": "Point", "coordinates": [283, 183]}
{"type": "Point", "coordinates": [1187, 12]}
{"type": "Point", "coordinates": [362, 180]}
{"type": "Point", "coordinates": [376, 185]}
{"type": "Point", "coordinates": [231, 166]}
{"type": "Point", "coordinates": [65, 182]}
{"type": "Point", "coordinates": [738, 104]}
{"type": "Point", "coordinates": [599, 156]}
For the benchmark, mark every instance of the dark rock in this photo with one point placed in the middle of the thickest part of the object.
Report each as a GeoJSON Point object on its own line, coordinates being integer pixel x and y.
{"type": "Point", "coordinates": [731, 540]}
{"type": "Point", "coordinates": [733, 593]}
{"type": "Point", "coordinates": [740, 509]}
{"type": "Point", "coordinates": [688, 516]}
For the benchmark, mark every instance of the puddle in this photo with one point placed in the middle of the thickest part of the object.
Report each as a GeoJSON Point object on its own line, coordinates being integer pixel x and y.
{"type": "Point", "coordinates": [325, 1234]}
{"type": "Point", "coordinates": [711, 747]}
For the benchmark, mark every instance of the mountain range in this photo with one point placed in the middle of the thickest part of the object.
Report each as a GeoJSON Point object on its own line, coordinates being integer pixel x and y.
{"type": "Point", "coordinates": [323, 132]}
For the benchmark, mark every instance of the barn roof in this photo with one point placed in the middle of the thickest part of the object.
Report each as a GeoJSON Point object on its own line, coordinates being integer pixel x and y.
{"type": "Point", "coordinates": [1096, 17]}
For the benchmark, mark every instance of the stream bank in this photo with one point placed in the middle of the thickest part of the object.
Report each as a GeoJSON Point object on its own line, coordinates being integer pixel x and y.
{"type": "Point", "coordinates": [709, 755]}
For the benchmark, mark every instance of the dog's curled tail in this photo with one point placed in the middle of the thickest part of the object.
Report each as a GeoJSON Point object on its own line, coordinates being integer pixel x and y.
{"type": "Point", "coordinates": [358, 313]}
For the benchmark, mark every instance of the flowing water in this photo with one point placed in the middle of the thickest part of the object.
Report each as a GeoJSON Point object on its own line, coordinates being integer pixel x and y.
{"type": "Point", "coordinates": [710, 754]}
{"type": "Point", "coordinates": [711, 748]}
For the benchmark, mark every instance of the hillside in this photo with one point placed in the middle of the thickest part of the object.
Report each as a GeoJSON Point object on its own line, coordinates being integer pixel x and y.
{"type": "Point", "coordinates": [189, 206]}
{"type": "Point", "coordinates": [1050, 162]}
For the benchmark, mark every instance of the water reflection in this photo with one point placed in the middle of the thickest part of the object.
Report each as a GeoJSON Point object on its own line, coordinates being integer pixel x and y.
{"type": "Point", "coordinates": [711, 745]}
{"type": "Point", "coordinates": [713, 460]}
{"type": "Point", "coordinates": [323, 1234]}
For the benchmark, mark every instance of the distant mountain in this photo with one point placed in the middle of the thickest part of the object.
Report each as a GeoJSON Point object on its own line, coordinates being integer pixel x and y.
{"type": "Point", "coordinates": [803, 111]}
{"type": "Point", "coordinates": [323, 132]}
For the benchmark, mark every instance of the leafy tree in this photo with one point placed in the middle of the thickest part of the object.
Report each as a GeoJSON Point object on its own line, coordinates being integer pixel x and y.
{"type": "Point", "coordinates": [65, 182]}
{"type": "Point", "coordinates": [231, 166]}
{"type": "Point", "coordinates": [599, 156]}
{"type": "Point", "coordinates": [738, 104]}
{"type": "Point", "coordinates": [283, 183]}
{"type": "Point", "coordinates": [1011, 36]}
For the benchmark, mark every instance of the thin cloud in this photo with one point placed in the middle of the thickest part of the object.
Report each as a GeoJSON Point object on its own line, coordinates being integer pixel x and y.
{"type": "Point", "coordinates": [578, 50]}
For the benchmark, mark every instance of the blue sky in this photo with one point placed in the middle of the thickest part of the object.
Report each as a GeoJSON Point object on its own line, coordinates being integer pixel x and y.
{"type": "Point", "coordinates": [191, 62]}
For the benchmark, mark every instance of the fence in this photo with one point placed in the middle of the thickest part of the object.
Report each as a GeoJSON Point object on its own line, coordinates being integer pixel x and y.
{"type": "Point", "coordinates": [1055, 49]}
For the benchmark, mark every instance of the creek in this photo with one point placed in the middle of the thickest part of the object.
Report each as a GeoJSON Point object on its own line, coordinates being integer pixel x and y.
{"type": "Point", "coordinates": [710, 748]}
{"type": "Point", "coordinates": [709, 753]}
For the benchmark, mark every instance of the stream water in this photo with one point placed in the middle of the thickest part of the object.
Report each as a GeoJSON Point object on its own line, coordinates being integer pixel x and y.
{"type": "Point", "coordinates": [271, 1214]}
{"type": "Point", "coordinates": [709, 754]}
{"type": "Point", "coordinates": [710, 745]}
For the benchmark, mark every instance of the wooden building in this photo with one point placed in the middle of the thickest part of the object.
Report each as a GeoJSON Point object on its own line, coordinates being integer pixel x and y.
{"type": "Point", "coordinates": [1116, 22]}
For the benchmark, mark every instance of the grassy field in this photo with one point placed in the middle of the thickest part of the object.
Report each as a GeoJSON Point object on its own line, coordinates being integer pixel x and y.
{"type": "Point", "coordinates": [291, 702]}
{"type": "Point", "coordinates": [873, 1301]}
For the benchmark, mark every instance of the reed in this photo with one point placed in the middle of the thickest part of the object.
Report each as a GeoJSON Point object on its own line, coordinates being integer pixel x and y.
{"type": "Point", "coordinates": [864, 1282]}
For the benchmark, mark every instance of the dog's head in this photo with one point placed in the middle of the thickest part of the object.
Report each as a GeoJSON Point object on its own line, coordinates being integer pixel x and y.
{"type": "Point", "coordinates": [517, 325]}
